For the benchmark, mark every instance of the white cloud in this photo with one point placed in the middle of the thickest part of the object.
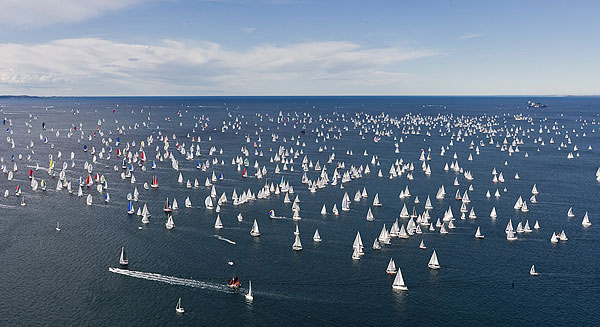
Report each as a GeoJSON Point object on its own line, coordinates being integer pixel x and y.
{"type": "Point", "coordinates": [248, 30]}
{"type": "Point", "coordinates": [46, 12]}
{"type": "Point", "coordinates": [468, 36]}
{"type": "Point", "coordinates": [92, 66]}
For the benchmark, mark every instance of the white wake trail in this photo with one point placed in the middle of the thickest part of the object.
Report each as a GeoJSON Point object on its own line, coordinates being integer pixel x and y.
{"type": "Point", "coordinates": [170, 279]}
{"type": "Point", "coordinates": [225, 239]}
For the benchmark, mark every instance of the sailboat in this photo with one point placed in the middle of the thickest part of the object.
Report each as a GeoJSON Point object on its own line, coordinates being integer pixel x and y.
{"type": "Point", "coordinates": [478, 233]}
{"type": "Point", "coordinates": [208, 202]}
{"type": "Point", "coordinates": [167, 207]}
{"type": "Point", "coordinates": [130, 209]}
{"type": "Point", "coordinates": [370, 215]}
{"type": "Point", "coordinates": [179, 308]}
{"type": "Point", "coordinates": [170, 224]}
{"type": "Point", "coordinates": [563, 236]}
{"type": "Point", "coordinates": [356, 253]}
{"type": "Point", "coordinates": [218, 223]}
{"type": "Point", "coordinates": [433, 262]}
{"type": "Point", "coordinates": [254, 231]}
{"type": "Point", "coordinates": [57, 227]}
{"type": "Point", "coordinates": [122, 259]}
{"type": "Point", "coordinates": [23, 201]}
{"type": "Point", "coordinates": [88, 201]}
{"type": "Point", "coordinates": [249, 296]}
{"type": "Point", "coordinates": [317, 237]}
{"type": "Point", "coordinates": [586, 220]}
{"type": "Point", "coordinates": [391, 268]}
{"type": "Point", "coordinates": [399, 282]}
{"type": "Point", "coordinates": [297, 246]}
{"type": "Point", "coordinates": [376, 202]}
{"type": "Point", "coordinates": [422, 245]}
{"type": "Point", "coordinates": [532, 271]}
{"type": "Point", "coordinates": [570, 213]}
{"type": "Point", "coordinates": [376, 245]}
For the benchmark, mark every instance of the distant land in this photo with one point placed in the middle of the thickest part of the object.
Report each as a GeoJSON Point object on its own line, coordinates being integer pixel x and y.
{"type": "Point", "coordinates": [24, 96]}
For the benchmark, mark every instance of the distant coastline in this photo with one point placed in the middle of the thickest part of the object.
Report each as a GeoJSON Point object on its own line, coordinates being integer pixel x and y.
{"type": "Point", "coordinates": [24, 96]}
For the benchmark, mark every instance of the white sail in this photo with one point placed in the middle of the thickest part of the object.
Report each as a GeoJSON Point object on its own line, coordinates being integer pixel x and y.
{"type": "Point", "coordinates": [376, 245]}
{"type": "Point", "coordinates": [586, 220]}
{"type": "Point", "coordinates": [478, 233]}
{"type": "Point", "coordinates": [297, 246]}
{"type": "Point", "coordinates": [391, 268]}
{"type": "Point", "coordinates": [208, 202]}
{"type": "Point", "coordinates": [179, 308]}
{"type": "Point", "coordinates": [376, 202]}
{"type": "Point", "coordinates": [399, 282]}
{"type": "Point", "coordinates": [317, 236]}
{"type": "Point", "coordinates": [370, 215]}
{"type": "Point", "coordinates": [169, 224]}
{"type": "Point", "coordinates": [218, 223]}
{"type": "Point", "coordinates": [254, 231]}
{"type": "Point", "coordinates": [249, 296]}
{"type": "Point", "coordinates": [433, 261]}
{"type": "Point", "coordinates": [122, 259]}
{"type": "Point", "coordinates": [532, 271]}
{"type": "Point", "coordinates": [355, 254]}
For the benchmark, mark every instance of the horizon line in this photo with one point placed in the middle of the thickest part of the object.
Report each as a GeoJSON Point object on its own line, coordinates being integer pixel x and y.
{"type": "Point", "coordinates": [299, 95]}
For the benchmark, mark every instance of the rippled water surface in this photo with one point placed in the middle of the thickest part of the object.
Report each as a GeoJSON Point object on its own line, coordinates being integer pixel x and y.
{"type": "Point", "coordinates": [63, 278]}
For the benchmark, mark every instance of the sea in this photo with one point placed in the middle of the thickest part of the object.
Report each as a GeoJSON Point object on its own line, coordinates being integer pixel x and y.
{"type": "Point", "coordinates": [62, 278]}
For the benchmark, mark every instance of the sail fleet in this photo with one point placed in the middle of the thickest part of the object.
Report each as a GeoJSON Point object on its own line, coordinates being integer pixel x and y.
{"type": "Point", "coordinates": [312, 178]}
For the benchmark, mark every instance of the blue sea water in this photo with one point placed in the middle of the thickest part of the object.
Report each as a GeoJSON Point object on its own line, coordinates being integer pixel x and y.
{"type": "Point", "coordinates": [50, 278]}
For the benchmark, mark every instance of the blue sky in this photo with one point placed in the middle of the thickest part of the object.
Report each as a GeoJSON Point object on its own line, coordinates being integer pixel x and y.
{"type": "Point", "coordinates": [298, 47]}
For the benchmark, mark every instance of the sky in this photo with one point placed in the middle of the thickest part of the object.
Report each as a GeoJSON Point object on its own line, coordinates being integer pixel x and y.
{"type": "Point", "coordinates": [299, 47]}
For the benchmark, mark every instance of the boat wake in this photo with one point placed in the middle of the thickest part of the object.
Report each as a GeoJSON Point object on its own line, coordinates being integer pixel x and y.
{"type": "Point", "coordinates": [224, 239]}
{"type": "Point", "coordinates": [202, 285]}
{"type": "Point", "coordinates": [171, 280]}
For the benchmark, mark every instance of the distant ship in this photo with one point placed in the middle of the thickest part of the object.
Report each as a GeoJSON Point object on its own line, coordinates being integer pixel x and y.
{"type": "Point", "coordinates": [533, 104]}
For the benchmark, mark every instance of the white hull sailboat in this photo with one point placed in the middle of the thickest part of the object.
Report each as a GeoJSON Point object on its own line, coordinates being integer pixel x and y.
{"type": "Point", "coordinates": [122, 259]}
{"type": "Point", "coordinates": [478, 233]}
{"type": "Point", "coordinates": [297, 246]}
{"type": "Point", "coordinates": [399, 282]}
{"type": "Point", "coordinates": [255, 232]}
{"type": "Point", "coordinates": [433, 262]}
{"type": "Point", "coordinates": [249, 296]}
{"type": "Point", "coordinates": [179, 309]}
{"type": "Point", "coordinates": [391, 268]}
{"type": "Point", "coordinates": [317, 236]}
{"type": "Point", "coordinates": [170, 224]}
{"type": "Point", "coordinates": [532, 271]}
{"type": "Point", "coordinates": [586, 220]}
